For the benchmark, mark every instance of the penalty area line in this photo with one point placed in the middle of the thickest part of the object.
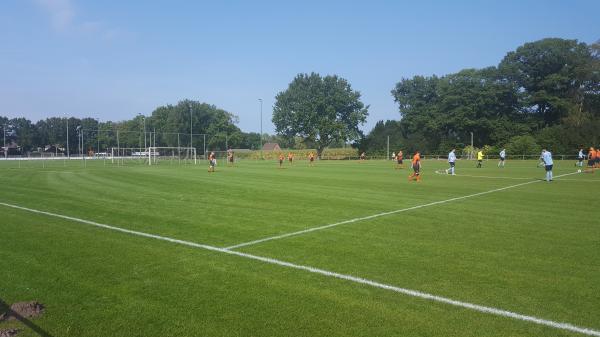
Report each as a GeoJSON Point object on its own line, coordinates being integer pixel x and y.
{"type": "Point", "coordinates": [314, 229]}
{"type": "Point", "coordinates": [354, 279]}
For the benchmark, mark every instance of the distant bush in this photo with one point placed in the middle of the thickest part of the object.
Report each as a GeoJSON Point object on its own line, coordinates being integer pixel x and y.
{"type": "Point", "coordinates": [520, 145]}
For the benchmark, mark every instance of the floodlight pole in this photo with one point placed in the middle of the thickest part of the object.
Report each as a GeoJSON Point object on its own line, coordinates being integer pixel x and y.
{"type": "Point", "coordinates": [261, 131]}
{"type": "Point", "coordinates": [472, 148]}
{"type": "Point", "coordinates": [4, 136]}
{"type": "Point", "coordinates": [98, 137]}
{"type": "Point", "coordinates": [144, 119]}
{"type": "Point", "coordinates": [190, 106]}
{"type": "Point", "coordinates": [388, 147]}
{"type": "Point", "coordinates": [68, 154]}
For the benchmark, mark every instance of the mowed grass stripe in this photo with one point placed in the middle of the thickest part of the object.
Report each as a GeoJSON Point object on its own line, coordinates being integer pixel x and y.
{"type": "Point", "coordinates": [413, 293]}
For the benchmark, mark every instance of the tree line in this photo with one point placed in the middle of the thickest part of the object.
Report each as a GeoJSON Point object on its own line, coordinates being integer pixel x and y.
{"type": "Point", "coordinates": [171, 124]}
{"type": "Point", "coordinates": [544, 94]}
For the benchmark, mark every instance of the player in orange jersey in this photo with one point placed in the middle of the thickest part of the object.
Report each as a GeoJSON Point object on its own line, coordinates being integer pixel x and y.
{"type": "Point", "coordinates": [230, 157]}
{"type": "Point", "coordinates": [281, 158]}
{"type": "Point", "coordinates": [591, 160]}
{"type": "Point", "coordinates": [311, 159]}
{"type": "Point", "coordinates": [416, 165]}
{"type": "Point", "coordinates": [290, 158]}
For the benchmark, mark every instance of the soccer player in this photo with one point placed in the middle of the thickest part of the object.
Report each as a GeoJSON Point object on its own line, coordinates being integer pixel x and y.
{"type": "Point", "coordinates": [281, 158]}
{"type": "Point", "coordinates": [399, 159]}
{"type": "Point", "coordinates": [393, 155]}
{"type": "Point", "coordinates": [212, 162]}
{"type": "Point", "coordinates": [502, 158]}
{"type": "Point", "coordinates": [580, 157]}
{"type": "Point", "coordinates": [598, 157]}
{"type": "Point", "coordinates": [363, 156]}
{"type": "Point", "coordinates": [291, 158]}
{"type": "Point", "coordinates": [230, 157]}
{"type": "Point", "coordinates": [479, 158]}
{"type": "Point", "coordinates": [548, 163]}
{"type": "Point", "coordinates": [311, 159]}
{"type": "Point", "coordinates": [416, 165]}
{"type": "Point", "coordinates": [451, 161]}
{"type": "Point", "coordinates": [591, 159]}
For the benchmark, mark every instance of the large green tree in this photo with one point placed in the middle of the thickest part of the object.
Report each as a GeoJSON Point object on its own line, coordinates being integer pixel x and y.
{"type": "Point", "coordinates": [320, 110]}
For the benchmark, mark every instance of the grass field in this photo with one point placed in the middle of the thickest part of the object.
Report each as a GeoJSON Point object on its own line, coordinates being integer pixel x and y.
{"type": "Point", "coordinates": [498, 238]}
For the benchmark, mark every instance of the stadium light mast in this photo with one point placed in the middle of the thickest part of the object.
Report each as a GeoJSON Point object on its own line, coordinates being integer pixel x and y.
{"type": "Point", "coordinates": [144, 121]}
{"type": "Point", "coordinates": [472, 148]}
{"type": "Point", "coordinates": [190, 106]}
{"type": "Point", "coordinates": [4, 136]}
{"type": "Point", "coordinates": [261, 132]}
{"type": "Point", "coordinates": [68, 153]}
{"type": "Point", "coordinates": [98, 136]}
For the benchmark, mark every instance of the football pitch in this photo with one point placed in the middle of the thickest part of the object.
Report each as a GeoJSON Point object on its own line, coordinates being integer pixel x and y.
{"type": "Point", "coordinates": [344, 248]}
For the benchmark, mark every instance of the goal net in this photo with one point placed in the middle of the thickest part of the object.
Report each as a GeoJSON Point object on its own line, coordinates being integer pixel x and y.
{"type": "Point", "coordinates": [179, 155]}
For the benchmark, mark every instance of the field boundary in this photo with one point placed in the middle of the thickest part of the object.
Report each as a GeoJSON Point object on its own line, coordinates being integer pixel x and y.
{"type": "Point", "coordinates": [314, 229]}
{"type": "Point", "coordinates": [355, 279]}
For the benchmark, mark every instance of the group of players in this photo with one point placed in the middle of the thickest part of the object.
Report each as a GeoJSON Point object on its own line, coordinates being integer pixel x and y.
{"type": "Point", "coordinates": [593, 156]}
{"type": "Point", "coordinates": [212, 159]}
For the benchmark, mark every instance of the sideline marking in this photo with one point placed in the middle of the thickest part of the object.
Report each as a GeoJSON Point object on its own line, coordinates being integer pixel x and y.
{"type": "Point", "coordinates": [355, 279]}
{"type": "Point", "coordinates": [313, 229]}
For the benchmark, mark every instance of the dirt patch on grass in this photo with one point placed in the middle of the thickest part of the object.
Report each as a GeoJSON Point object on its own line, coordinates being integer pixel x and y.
{"type": "Point", "coordinates": [8, 332]}
{"type": "Point", "coordinates": [22, 309]}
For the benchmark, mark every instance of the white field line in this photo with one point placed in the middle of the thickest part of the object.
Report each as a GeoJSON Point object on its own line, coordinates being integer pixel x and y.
{"type": "Point", "coordinates": [313, 229]}
{"type": "Point", "coordinates": [443, 172]}
{"type": "Point", "coordinates": [355, 279]}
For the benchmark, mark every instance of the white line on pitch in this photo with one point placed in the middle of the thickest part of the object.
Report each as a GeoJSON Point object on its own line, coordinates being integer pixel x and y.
{"type": "Point", "coordinates": [355, 279]}
{"type": "Point", "coordinates": [313, 229]}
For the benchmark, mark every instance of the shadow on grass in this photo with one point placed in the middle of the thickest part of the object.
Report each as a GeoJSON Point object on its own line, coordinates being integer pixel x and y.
{"type": "Point", "coordinates": [4, 307]}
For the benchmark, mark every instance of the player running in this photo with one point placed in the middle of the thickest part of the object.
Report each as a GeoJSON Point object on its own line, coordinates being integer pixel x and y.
{"type": "Point", "coordinates": [291, 158]}
{"type": "Point", "coordinates": [399, 159]}
{"type": "Point", "coordinates": [281, 158]}
{"type": "Point", "coordinates": [212, 162]}
{"type": "Point", "coordinates": [548, 163]}
{"type": "Point", "coordinates": [416, 165]}
{"type": "Point", "coordinates": [502, 158]}
{"type": "Point", "coordinates": [311, 159]}
{"type": "Point", "coordinates": [451, 162]}
{"type": "Point", "coordinates": [363, 156]}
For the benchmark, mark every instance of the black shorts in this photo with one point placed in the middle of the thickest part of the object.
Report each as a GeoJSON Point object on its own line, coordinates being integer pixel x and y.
{"type": "Point", "coordinates": [290, 159]}
{"type": "Point", "coordinates": [231, 160]}
{"type": "Point", "coordinates": [591, 162]}
{"type": "Point", "coordinates": [400, 161]}
{"type": "Point", "coordinates": [416, 168]}
{"type": "Point", "coordinates": [312, 159]}
{"type": "Point", "coordinates": [548, 168]}
{"type": "Point", "coordinates": [280, 161]}
{"type": "Point", "coordinates": [501, 158]}
{"type": "Point", "coordinates": [451, 163]}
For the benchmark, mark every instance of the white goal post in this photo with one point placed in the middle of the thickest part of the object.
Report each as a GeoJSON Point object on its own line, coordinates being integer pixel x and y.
{"type": "Point", "coordinates": [154, 153]}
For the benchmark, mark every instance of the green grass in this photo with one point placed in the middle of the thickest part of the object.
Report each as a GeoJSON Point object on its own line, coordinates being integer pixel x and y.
{"type": "Point", "coordinates": [532, 249]}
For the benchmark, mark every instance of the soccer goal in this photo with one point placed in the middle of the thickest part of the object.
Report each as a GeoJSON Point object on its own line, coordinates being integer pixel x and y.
{"type": "Point", "coordinates": [171, 154]}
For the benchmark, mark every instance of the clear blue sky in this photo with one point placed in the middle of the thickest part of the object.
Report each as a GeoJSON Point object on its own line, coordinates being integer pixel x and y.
{"type": "Point", "coordinates": [114, 59]}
